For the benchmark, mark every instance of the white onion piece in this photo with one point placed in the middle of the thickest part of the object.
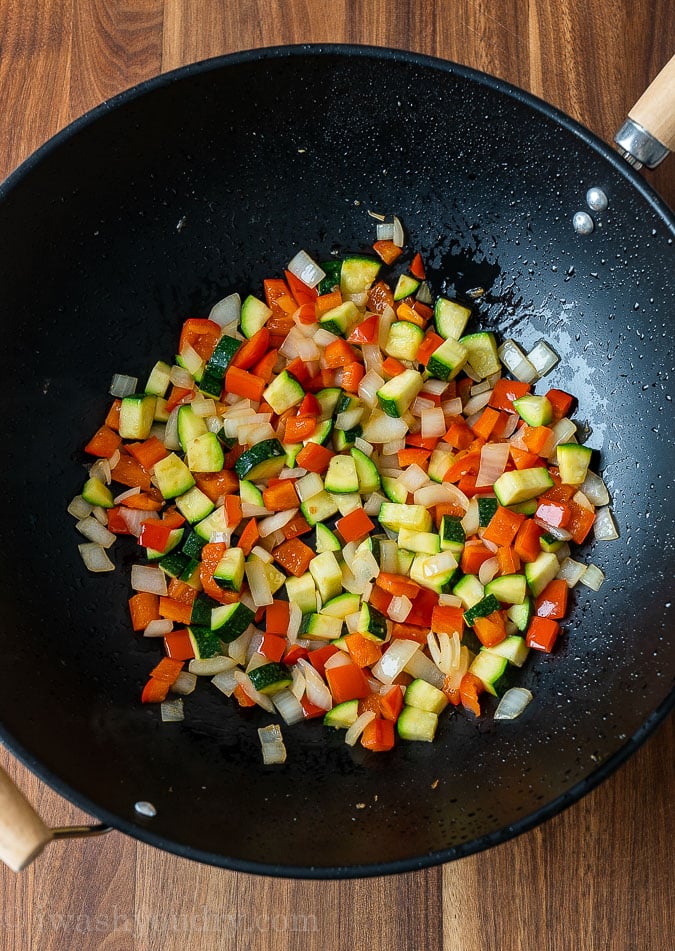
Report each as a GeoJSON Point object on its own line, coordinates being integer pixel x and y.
{"type": "Point", "coordinates": [439, 564]}
{"type": "Point", "coordinates": [95, 557]}
{"type": "Point", "coordinates": [398, 236]}
{"type": "Point", "coordinates": [272, 744]}
{"type": "Point", "coordinates": [127, 494]}
{"type": "Point", "coordinates": [593, 577]}
{"type": "Point", "coordinates": [376, 215]}
{"type": "Point", "coordinates": [491, 546]}
{"type": "Point", "coordinates": [388, 556]}
{"type": "Point", "coordinates": [172, 711]}
{"type": "Point", "coordinates": [369, 386]}
{"type": "Point", "coordinates": [488, 570]}
{"type": "Point", "coordinates": [594, 489]}
{"type": "Point", "coordinates": [181, 378]}
{"type": "Point", "coordinates": [323, 337]}
{"type": "Point", "coordinates": [583, 501]}
{"type": "Point", "coordinates": [413, 478]}
{"type": "Point", "coordinates": [460, 667]}
{"type": "Point", "coordinates": [365, 447]}
{"type": "Point", "coordinates": [512, 703]}
{"type": "Point", "coordinates": [288, 706]}
{"type": "Point", "coordinates": [225, 681]}
{"type": "Point", "coordinates": [604, 526]}
{"type": "Point", "coordinates": [470, 521]}
{"type": "Point", "coordinates": [258, 584]}
{"type": "Point", "coordinates": [543, 358]}
{"type": "Point", "coordinates": [493, 459]}
{"type": "Point", "coordinates": [560, 534]}
{"type": "Point", "coordinates": [101, 471]}
{"type": "Point", "coordinates": [399, 608]}
{"type": "Point", "coordinates": [294, 621]}
{"type": "Point", "coordinates": [79, 507]}
{"type": "Point", "coordinates": [249, 510]}
{"type": "Point", "coordinates": [147, 578]}
{"type": "Point", "coordinates": [372, 357]}
{"type": "Point", "coordinates": [511, 425]}
{"type": "Point", "coordinates": [434, 386]}
{"type": "Point", "coordinates": [93, 531]}
{"type": "Point", "coordinates": [208, 666]}
{"type": "Point", "coordinates": [358, 726]}
{"type": "Point", "coordinates": [381, 428]}
{"type": "Point", "coordinates": [306, 269]}
{"type": "Point", "coordinates": [562, 431]}
{"type": "Point", "coordinates": [571, 571]}
{"type": "Point", "coordinates": [353, 622]}
{"type": "Point", "coordinates": [449, 600]}
{"type": "Point", "coordinates": [226, 311]}
{"type": "Point", "coordinates": [123, 385]}
{"type": "Point", "coordinates": [134, 519]}
{"type": "Point", "coordinates": [424, 295]}
{"type": "Point", "coordinates": [433, 423]}
{"type": "Point", "coordinates": [419, 404]}
{"type": "Point", "coordinates": [452, 407]}
{"type": "Point", "coordinates": [444, 650]}
{"type": "Point", "coordinates": [309, 486]}
{"type": "Point", "coordinates": [394, 446]}
{"type": "Point", "coordinates": [387, 318]}
{"type": "Point", "coordinates": [158, 628]}
{"type": "Point", "coordinates": [422, 667]}
{"type": "Point", "coordinates": [339, 659]}
{"type": "Point", "coordinates": [516, 362]}
{"type": "Point", "coordinates": [298, 683]}
{"type": "Point", "coordinates": [244, 681]}
{"type": "Point", "coordinates": [274, 522]}
{"type": "Point", "coordinates": [317, 691]}
{"type": "Point", "coordinates": [563, 552]}
{"type": "Point", "coordinates": [385, 231]}
{"type": "Point", "coordinates": [483, 387]}
{"type": "Point", "coordinates": [349, 418]}
{"type": "Point", "coordinates": [476, 403]}
{"type": "Point", "coordinates": [373, 503]}
{"type": "Point", "coordinates": [115, 458]}
{"type": "Point", "coordinates": [184, 684]}
{"type": "Point", "coordinates": [171, 440]}
{"type": "Point", "coordinates": [203, 407]}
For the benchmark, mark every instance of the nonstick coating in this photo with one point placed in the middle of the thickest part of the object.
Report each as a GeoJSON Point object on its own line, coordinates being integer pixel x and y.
{"type": "Point", "coordinates": [258, 155]}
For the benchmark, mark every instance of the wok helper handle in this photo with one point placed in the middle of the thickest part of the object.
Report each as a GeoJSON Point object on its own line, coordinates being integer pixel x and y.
{"type": "Point", "coordinates": [23, 834]}
{"type": "Point", "coordinates": [649, 132]}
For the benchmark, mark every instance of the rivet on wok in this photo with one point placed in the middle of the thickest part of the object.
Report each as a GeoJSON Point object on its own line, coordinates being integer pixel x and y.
{"type": "Point", "coordinates": [596, 199]}
{"type": "Point", "coordinates": [145, 809]}
{"type": "Point", "coordinates": [582, 222]}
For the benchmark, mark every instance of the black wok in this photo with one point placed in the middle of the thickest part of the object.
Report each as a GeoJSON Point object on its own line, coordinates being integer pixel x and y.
{"type": "Point", "coordinates": [257, 155]}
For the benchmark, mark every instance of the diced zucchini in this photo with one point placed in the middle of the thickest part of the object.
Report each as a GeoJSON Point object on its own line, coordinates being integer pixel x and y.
{"type": "Point", "coordinates": [447, 360]}
{"type": "Point", "coordinates": [398, 393]}
{"type": "Point", "coordinates": [327, 575]}
{"type": "Point", "coordinates": [326, 540]}
{"type": "Point", "coordinates": [189, 426]}
{"type": "Point", "coordinates": [275, 578]}
{"type": "Point", "coordinates": [174, 564]}
{"type": "Point", "coordinates": [366, 471]}
{"type": "Point", "coordinates": [332, 279]}
{"type": "Point", "coordinates": [250, 493]}
{"type": "Point", "coordinates": [159, 379]}
{"type": "Point", "coordinates": [322, 627]}
{"type": "Point", "coordinates": [439, 463]}
{"type": "Point", "coordinates": [521, 614]}
{"type": "Point", "coordinates": [342, 606]}
{"type": "Point", "coordinates": [573, 463]}
{"type": "Point", "coordinates": [321, 433]}
{"type": "Point", "coordinates": [343, 715]}
{"type": "Point", "coordinates": [414, 724]}
{"type": "Point", "coordinates": [254, 315]}
{"type": "Point", "coordinates": [403, 340]}
{"type": "Point", "coordinates": [372, 623]}
{"type": "Point", "coordinates": [509, 589]}
{"type": "Point", "coordinates": [97, 493]}
{"type": "Point", "coordinates": [490, 668]}
{"type": "Point", "coordinates": [529, 507]}
{"type": "Point", "coordinates": [481, 351]}
{"type": "Point", "coordinates": [229, 572]}
{"type": "Point", "coordinates": [194, 504]}
{"type": "Point", "coordinates": [173, 476]}
{"type": "Point", "coordinates": [339, 320]}
{"type": "Point", "coordinates": [302, 591]}
{"type": "Point", "coordinates": [549, 543]}
{"type": "Point", "coordinates": [319, 508]}
{"type": "Point", "coordinates": [394, 490]}
{"type": "Point", "coordinates": [487, 605]}
{"type": "Point", "coordinates": [406, 286]}
{"type": "Point", "coordinates": [357, 274]}
{"type": "Point", "coordinates": [283, 392]}
{"type": "Point", "coordinates": [404, 560]}
{"type": "Point", "coordinates": [396, 516]}
{"type": "Point", "coordinates": [205, 643]}
{"type": "Point", "coordinates": [327, 400]}
{"type": "Point", "coordinates": [451, 532]}
{"type": "Point", "coordinates": [231, 620]}
{"type": "Point", "coordinates": [220, 360]}
{"type": "Point", "coordinates": [137, 414]}
{"type": "Point", "coordinates": [441, 582]}
{"type": "Point", "coordinates": [487, 506]}
{"type": "Point", "coordinates": [535, 410]}
{"type": "Point", "coordinates": [426, 543]}
{"type": "Point", "coordinates": [345, 438]}
{"type": "Point", "coordinates": [260, 462]}
{"type": "Point", "coordinates": [513, 648]}
{"type": "Point", "coordinates": [450, 318]}
{"type": "Point", "coordinates": [541, 571]}
{"type": "Point", "coordinates": [424, 696]}
{"type": "Point", "coordinates": [213, 524]}
{"type": "Point", "coordinates": [270, 678]}
{"type": "Point", "coordinates": [205, 454]}
{"type": "Point", "coordinates": [192, 546]}
{"type": "Point", "coordinates": [202, 606]}
{"type": "Point", "coordinates": [469, 590]}
{"type": "Point", "coordinates": [519, 485]}
{"type": "Point", "coordinates": [341, 475]}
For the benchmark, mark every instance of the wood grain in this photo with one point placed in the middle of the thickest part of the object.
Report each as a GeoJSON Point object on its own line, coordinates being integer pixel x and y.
{"type": "Point", "coordinates": [596, 877]}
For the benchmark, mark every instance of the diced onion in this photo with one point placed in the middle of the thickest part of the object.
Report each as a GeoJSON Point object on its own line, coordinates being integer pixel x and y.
{"type": "Point", "coordinates": [372, 357]}
{"type": "Point", "coordinates": [543, 358]}
{"type": "Point", "coordinates": [423, 294]}
{"type": "Point", "coordinates": [339, 659]}
{"type": "Point", "coordinates": [511, 425]}
{"type": "Point", "coordinates": [365, 447]}
{"type": "Point", "coordinates": [439, 564]}
{"type": "Point", "coordinates": [203, 407]}
{"type": "Point", "coordinates": [123, 385]}
{"type": "Point", "coordinates": [433, 423]}
{"type": "Point", "coordinates": [172, 711]}
{"type": "Point", "coordinates": [306, 269]}
{"type": "Point", "coordinates": [449, 600]}
{"type": "Point", "coordinates": [493, 459]}
{"type": "Point", "coordinates": [593, 577]}
{"type": "Point", "coordinates": [184, 684]}
{"type": "Point", "coordinates": [560, 534]}
{"type": "Point", "coordinates": [483, 387]}
{"type": "Point", "coordinates": [238, 648]}
{"type": "Point", "coordinates": [470, 521]}
{"type": "Point", "coordinates": [381, 428]}
{"type": "Point", "coordinates": [476, 403]}
{"type": "Point", "coordinates": [398, 236]}
{"type": "Point", "coordinates": [127, 494]}
{"type": "Point", "coordinates": [394, 659]}
{"type": "Point", "coordinates": [571, 571]}
{"type": "Point", "coordinates": [309, 486]}
{"type": "Point", "coordinates": [288, 706]}
{"type": "Point", "coordinates": [225, 681]}
{"type": "Point", "coordinates": [317, 691]}
{"type": "Point", "coordinates": [226, 311]}
{"type": "Point", "coordinates": [294, 621]}
{"type": "Point", "coordinates": [101, 470]}
{"type": "Point", "coordinates": [512, 703]}
{"type": "Point", "coordinates": [272, 744]}
{"type": "Point", "coordinates": [387, 318]}
{"type": "Point", "coordinates": [358, 726]}
{"type": "Point", "coordinates": [385, 231]}
{"type": "Point", "coordinates": [323, 337]}
{"type": "Point", "coordinates": [298, 682]}
{"type": "Point", "coordinates": [147, 578]}
{"type": "Point", "coordinates": [413, 478]}
{"type": "Point", "coordinates": [399, 608]}
{"type": "Point", "coordinates": [261, 699]}
{"type": "Point", "coordinates": [258, 584]}
{"type": "Point", "coordinates": [422, 667]}
{"type": "Point", "coordinates": [181, 378]}
{"type": "Point", "coordinates": [604, 526]}
{"type": "Point", "coordinates": [92, 530]}
{"type": "Point", "coordinates": [274, 522]}
{"type": "Point", "coordinates": [158, 628]}
{"type": "Point", "coordinates": [488, 570]}
{"type": "Point", "coordinates": [594, 489]}
{"type": "Point", "coordinates": [369, 386]}
{"type": "Point", "coordinates": [95, 557]}
{"type": "Point", "coordinates": [209, 666]}
{"type": "Point", "coordinates": [79, 507]}
{"type": "Point", "coordinates": [516, 362]}
{"type": "Point", "coordinates": [171, 440]}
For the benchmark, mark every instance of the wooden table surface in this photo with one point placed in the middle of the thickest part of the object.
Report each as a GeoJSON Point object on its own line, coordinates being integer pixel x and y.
{"type": "Point", "coordinates": [599, 876]}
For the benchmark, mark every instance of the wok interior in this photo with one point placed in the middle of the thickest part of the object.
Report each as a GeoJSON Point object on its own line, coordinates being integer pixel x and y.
{"type": "Point", "coordinates": [258, 157]}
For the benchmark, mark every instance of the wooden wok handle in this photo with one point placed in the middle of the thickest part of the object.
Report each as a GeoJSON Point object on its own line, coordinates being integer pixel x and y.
{"type": "Point", "coordinates": [23, 834]}
{"type": "Point", "coordinates": [649, 132]}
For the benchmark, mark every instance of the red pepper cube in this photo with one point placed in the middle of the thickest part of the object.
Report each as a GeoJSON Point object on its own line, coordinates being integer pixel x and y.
{"type": "Point", "coordinates": [542, 634]}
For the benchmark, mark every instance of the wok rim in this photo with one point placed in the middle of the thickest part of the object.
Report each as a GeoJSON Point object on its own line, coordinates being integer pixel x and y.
{"type": "Point", "coordinates": [144, 833]}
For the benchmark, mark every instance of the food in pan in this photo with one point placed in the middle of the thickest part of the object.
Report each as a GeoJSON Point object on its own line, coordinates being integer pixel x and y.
{"type": "Point", "coordinates": [344, 507]}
